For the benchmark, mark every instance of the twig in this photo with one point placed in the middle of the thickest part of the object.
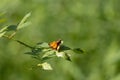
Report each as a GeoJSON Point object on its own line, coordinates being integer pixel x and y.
{"type": "Point", "coordinates": [10, 38]}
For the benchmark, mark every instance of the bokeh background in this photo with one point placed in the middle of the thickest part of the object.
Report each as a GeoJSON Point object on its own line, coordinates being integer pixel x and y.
{"type": "Point", "coordinates": [93, 25]}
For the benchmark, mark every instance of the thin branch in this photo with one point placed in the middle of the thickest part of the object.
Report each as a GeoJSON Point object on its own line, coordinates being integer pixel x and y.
{"type": "Point", "coordinates": [26, 45]}
{"type": "Point", "coordinates": [10, 38]}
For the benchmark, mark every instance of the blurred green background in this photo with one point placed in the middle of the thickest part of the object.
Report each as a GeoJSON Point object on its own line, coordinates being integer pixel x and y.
{"type": "Point", "coordinates": [93, 25]}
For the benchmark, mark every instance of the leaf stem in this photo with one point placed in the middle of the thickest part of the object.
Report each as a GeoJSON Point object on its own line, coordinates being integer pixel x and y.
{"type": "Point", "coordinates": [24, 44]}
{"type": "Point", "coordinates": [10, 38]}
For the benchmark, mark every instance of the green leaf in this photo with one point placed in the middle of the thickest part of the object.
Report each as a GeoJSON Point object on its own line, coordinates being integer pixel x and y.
{"type": "Point", "coordinates": [42, 44]}
{"type": "Point", "coordinates": [3, 29]}
{"type": "Point", "coordinates": [1, 34]}
{"type": "Point", "coordinates": [45, 66]}
{"type": "Point", "coordinates": [78, 50]}
{"type": "Point", "coordinates": [48, 55]}
{"type": "Point", "coordinates": [60, 54]}
{"type": "Point", "coordinates": [63, 55]}
{"type": "Point", "coordinates": [23, 21]}
{"type": "Point", "coordinates": [24, 25]}
{"type": "Point", "coordinates": [67, 57]}
{"type": "Point", "coordinates": [37, 50]}
{"type": "Point", "coordinates": [8, 28]}
{"type": "Point", "coordinates": [12, 28]}
{"type": "Point", "coordinates": [64, 48]}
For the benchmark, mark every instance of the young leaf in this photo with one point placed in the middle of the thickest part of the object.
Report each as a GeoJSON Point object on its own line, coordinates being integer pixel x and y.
{"type": "Point", "coordinates": [12, 35]}
{"type": "Point", "coordinates": [24, 25]}
{"type": "Point", "coordinates": [36, 50]}
{"type": "Point", "coordinates": [63, 55]}
{"type": "Point", "coordinates": [1, 34]}
{"type": "Point", "coordinates": [78, 50]}
{"type": "Point", "coordinates": [45, 66]}
{"type": "Point", "coordinates": [60, 54]}
{"type": "Point", "coordinates": [42, 44]}
{"type": "Point", "coordinates": [3, 29]}
{"type": "Point", "coordinates": [42, 47]}
{"type": "Point", "coordinates": [23, 21]}
{"type": "Point", "coordinates": [67, 57]}
{"type": "Point", "coordinates": [48, 55]}
{"type": "Point", "coordinates": [64, 48]}
{"type": "Point", "coordinates": [12, 28]}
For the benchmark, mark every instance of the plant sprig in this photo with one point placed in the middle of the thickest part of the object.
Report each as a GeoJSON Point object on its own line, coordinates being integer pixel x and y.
{"type": "Point", "coordinates": [41, 51]}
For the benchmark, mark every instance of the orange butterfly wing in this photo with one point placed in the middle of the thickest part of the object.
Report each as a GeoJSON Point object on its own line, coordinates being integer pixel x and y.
{"type": "Point", "coordinates": [55, 44]}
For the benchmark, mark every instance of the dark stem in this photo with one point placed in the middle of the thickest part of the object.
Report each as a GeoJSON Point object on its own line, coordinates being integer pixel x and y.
{"type": "Point", "coordinates": [26, 45]}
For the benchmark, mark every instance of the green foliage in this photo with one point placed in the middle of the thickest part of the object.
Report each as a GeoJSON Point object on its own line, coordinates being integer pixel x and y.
{"type": "Point", "coordinates": [92, 25]}
{"type": "Point", "coordinates": [78, 50]}
{"type": "Point", "coordinates": [40, 48]}
{"type": "Point", "coordinates": [3, 31]}
{"type": "Point", "coordinates": [1, 34]}
{"type": "Point", "coordinates": [43, 52]}
{"type": "Point", "coordinates": [23, 22]}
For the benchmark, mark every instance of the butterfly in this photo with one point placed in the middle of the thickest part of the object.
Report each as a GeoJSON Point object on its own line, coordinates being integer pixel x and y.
{"type": "Point", "coordinates": [56, 44]}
